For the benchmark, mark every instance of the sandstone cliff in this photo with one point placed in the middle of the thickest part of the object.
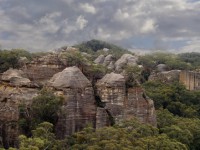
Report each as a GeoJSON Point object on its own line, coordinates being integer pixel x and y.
{"type": "Point", "coordinates": [110, 102]}
{"type": "Point", "coordinates": [79, 107]}
{"type": "Point", "coordinates": [120, 103]}
{"type": "Point", "coordinates": [11, 97]}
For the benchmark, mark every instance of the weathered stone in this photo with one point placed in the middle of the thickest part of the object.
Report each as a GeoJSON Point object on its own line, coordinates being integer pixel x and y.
{"type": "Point", "coordinates": [79, 104]}
{"type": "Point", "coordinates": [111, 88]}
{"type": "Point", "coordinates": [15, 77]}
{"type": "Point", "coordinates": [121, 103]}
{"type": "Point", "coordinates": [43, 68]}
{"type": "Point", "coordinates": [10, 100]}
{"type": "Point", "coordinates": [102, 118]}
{"type": "Point", "coordinates": [108, 59]}
{"type": "Point", "coordinates": [139, 105]}
{"type": "Point", "coordinates": [161, 67]}
{"type": "Point", "coordinates": [99, 59]}
{"type": "Point", "coordinates": [70, 77]}
{"type": "Point", "coordinates": [126, 59]}
{"type": "Point", "coordinates": [165, 76]}
{"type": "Point", "coordinates": [190, 79]}
{"type": "Point", "coordinates": [111, 66]}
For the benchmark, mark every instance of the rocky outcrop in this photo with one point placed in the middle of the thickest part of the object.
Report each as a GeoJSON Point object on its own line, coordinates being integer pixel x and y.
{"type": "Point", "coordinates": [120, 103]}
{"type": "Point", "coordinates": [15, 78]}
{"type": "Point", "coordinates": [107, 61]}
{"type": "Point", "coordinates": [79, 106]}
{"type": "Point", "coordinates": [41, 69]}
{"type": "Point", "coordinates": [10, 99]}
{"type": "Point", "coordinates": [165, 76]}
{"type": "Point", "coordinates": [100, 59]}
{"type": "Point", "coordinates": [139, 105]}
{"type": "Point", "coordinates": [190, 79]}
{"type": "Point", "coordinates": [161, 67]}
{"type": "Point", "coordinates": [126, 59]}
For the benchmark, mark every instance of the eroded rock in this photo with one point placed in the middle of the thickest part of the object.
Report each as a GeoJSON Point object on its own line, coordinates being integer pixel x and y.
{"type": "Point", "coordinates": [126, 59]}
{"type": "Point", "coordinates": [165, 76]}
{"type": "Point", "coordinates": [79, 104]}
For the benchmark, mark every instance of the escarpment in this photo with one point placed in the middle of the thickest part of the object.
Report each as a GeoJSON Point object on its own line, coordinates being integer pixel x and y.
{"type": "Point", "coordinates": [106, 102]}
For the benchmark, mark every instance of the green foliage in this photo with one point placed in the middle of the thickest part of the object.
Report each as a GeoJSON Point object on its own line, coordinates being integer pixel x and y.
{"type": "Point", "coordinates": [43, 138]}
{"type": "Point", "coordinates": [45, 107]}
{"type": "Point", "coordinates": [9, 58]}
{"type": "Point", "coordinates": [192, 58]}
{"type": "Point", "coordinates": [97, 46]}
{"type": "Point", "coordinates": [132, 74]}
{"type": "Point", "coordinates": [175, 97]}
{"type": "Point", "coordinates": [125, 136]}
{"type": "Point", "coordinates": [171, 60]}
{"type": "Point", "coordinates": [184, 130]}
{"type": "Point", "coordinates": [74, 58]}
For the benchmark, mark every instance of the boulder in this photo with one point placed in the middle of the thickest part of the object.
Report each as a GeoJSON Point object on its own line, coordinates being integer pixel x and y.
{"type": "Point", "coordinates": [161, 67]}
{"type": "Point", "coordinates": [70, 77]}
{"type": "Point", "coordinates": [100, 59]}
{"type": "Point", "coordinates": [126, 59]}
{"type": "Point", "coordinates": [15, 77]}
{"type": "Point", "coordinates": [108, 59]}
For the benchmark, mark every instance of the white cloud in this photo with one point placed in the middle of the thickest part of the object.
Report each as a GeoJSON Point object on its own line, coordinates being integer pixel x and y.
{"type": "Point", "coordinates": [41, 25]}
{"type": "Point", "coordinates": [149, 26]}
{"type": "Point", "coordinates": [81, 22]}
{"type": "Point", "coordinates": [88, 8]}
{"type": "Point", "coordinates": [192, 46]}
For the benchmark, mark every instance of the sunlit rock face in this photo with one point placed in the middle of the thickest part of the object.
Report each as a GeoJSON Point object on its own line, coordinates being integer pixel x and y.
{"type": "Point", "coordinates": [15, 77]}
{"type": "Point", "coordinates": [126, 59]}
{"type": "Point", "coordinates": [191, 79]}
{"type": "Point", "coordinates": [11, 98]}
{"type": "Point", "coordinates": [41, 69]}
{"type": "Point", "coordinates": [79, 107]}
{"type": "Point", "coordinates": [121, 103]}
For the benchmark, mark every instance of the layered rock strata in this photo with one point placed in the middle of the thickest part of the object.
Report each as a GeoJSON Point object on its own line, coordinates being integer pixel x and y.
{"type": "Point", "coordinates": [120, 103]}
{"type": "Point", "coordinates": [79, 107]}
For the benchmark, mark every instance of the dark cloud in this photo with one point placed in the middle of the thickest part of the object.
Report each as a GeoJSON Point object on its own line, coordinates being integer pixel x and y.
{"type": "Point", "coordinates": [153, 24]}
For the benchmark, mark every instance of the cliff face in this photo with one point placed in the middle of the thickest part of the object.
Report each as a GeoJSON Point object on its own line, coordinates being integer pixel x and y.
{"type": "Point", "coordinates": [190, 79]}
{"type": "Point", "coordinates": [11, 97]}
{"type": "Point", "coordinates": [110, 102]}
{"type": "Point", "coordinates": [79, 107]}
{"type": "Point", "coordinates": [137, 104]}
{"type": "Point", "coordinates": [120, 103]}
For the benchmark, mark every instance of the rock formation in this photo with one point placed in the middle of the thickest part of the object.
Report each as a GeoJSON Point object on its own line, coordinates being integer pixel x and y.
{"type": "Point", "coordinates": [190, 79]}
{"type": "Point", "coordinates": [41, 69]}
{"type": "Point", "coordinates": [15, 77]}
{"type": "Point", "coordinates": [109, 103]}
{"type": "Point", "coordinates": [126, 59]}
{"type": "Point", "coordinates": [11, 97]}
{"type": "Point", "coordinates": [79, 107]}
{"type": "Point", "coordinates": [161, 67]}
{"type": "Point", "coordinates": [120, 103]}
{"type": "Point", "coordinates": [100, 59]}
{"type": "Point", "coordinates": [165, 76]}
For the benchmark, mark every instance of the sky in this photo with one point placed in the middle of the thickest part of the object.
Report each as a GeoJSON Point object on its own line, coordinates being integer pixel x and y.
{"type": "Point", "coordinates": [138, 25]}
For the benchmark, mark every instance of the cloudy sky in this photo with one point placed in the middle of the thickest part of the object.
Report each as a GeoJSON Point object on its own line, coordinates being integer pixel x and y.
{"type": "Point", "coordinates": [36, 25]}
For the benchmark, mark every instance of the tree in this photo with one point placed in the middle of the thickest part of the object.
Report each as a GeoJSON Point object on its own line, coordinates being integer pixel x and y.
{"type": "Point", "coordinates": [45, 107]}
